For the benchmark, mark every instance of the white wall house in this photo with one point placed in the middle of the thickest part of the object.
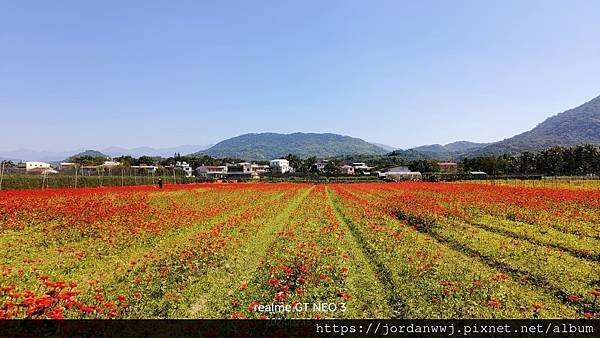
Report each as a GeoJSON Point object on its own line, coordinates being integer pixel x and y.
{"type": "Point", "coordinates": [110, 164]}
{"type": "Point", "coordinates": [36, 165]}
{"type": "Point", "coordinates": [361, 166]}
{"type": "Point", "coordinates": [320, 166]}
{"type": "Point", "coordinates": [403, 176]}
{"type": "Point", "coordinates": [259, 169]}
{"type": "Point", "coordinates": [212, 171]}
{"type": "Point", "coordinates": [185, 167]}
{"type": "Point", "coordinates": [149, 169]}
{"type": "Point", "coordinates": [280, 166]}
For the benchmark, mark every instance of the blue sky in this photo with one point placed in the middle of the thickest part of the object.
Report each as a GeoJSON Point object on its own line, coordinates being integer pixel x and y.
{"type": "Point", "coordinates": [164, 73]}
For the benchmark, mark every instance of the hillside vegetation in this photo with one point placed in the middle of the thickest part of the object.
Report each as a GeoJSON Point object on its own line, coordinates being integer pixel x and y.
{"type": "Point", "coordinates": [265, 146]}
{"type": "Point", "coordinates": [576, 126]}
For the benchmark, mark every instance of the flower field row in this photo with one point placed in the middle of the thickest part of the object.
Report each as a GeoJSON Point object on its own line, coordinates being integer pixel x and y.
{"type": "Point", "coordinates": [365, 250]}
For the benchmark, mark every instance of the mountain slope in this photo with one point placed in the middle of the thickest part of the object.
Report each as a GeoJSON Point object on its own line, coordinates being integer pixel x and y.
{"type": "Point", "coordinates": [462, 146]}
{"type": "Point", "coordinates": [576, 126]}
{"type": "Point", "coordinates": [266, 146]}
{"type": "Point", "coordinates": [384, 146]}
{"type": "Point", "coordinates": [449, 151]}
{"type": "Point", "coordinates": [90, 153]}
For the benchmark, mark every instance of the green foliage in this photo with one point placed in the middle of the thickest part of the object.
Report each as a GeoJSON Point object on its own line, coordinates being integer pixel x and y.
{"type": "Point", "coordinates": [196, 161]}
{"type": "Point", "coordinates": [579, 160]}
{"type": "Point", "coordinates": [424, 166]}
{"type": "Point", "coordinates": [127, 161]}
{"type": "Point", "coordinates": [332, 168]}
{"type": "Point", "coordinates": [266, 146]}
{"type": "Point", "coordinates": [148, 160]}
{"type": "Point", "coordinates": [87, 160]}
{"type": "Point", "coordinates": [295, 161]}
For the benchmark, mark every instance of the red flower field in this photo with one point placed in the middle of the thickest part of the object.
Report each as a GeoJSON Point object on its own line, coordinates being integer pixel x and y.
{"type": "Point", "coordinates": [365, 250]}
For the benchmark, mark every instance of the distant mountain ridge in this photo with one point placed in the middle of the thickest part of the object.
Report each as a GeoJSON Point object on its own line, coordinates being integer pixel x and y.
{"type": "Point", "coordinates": [266, 146]}
{"type": "Point", "coordinates": [447, 151]}
{"type": "Point", "coordinates": [385, 146]}
{"type": "Point", "coordinates": [90, 153]}
{"type": "Point", "coordinates": [580, 125]}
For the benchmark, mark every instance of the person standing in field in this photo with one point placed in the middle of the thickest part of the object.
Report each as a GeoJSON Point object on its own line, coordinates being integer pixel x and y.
{"type": "Point", "coordinates": [160, 184]}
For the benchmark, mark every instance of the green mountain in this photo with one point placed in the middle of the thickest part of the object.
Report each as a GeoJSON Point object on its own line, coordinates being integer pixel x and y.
{"type": "Point", "coordinates": [573, 127]}
{"type": "Point", "coordinates": [463, 146]}
{"type": "Point", "coordinates": [266, 146]}
{"type": "Point", "coordinates": [385, 146]}
{"type": "Point", "coordinates": [87, 153]}
{"type": "Point", "coordinates": [448, 151]}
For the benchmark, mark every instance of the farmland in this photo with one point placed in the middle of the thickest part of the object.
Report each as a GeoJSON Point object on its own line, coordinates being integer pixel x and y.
{"type": "Point", "coordinates": [367, 250]}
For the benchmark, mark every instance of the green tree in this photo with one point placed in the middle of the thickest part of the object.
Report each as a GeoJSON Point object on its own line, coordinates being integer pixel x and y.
{"type": "Point", "coordinates": [424, 166]}
{"type": "Point", "coordinates": [295, 161]}
{"type": "Point", "coordinates": [148, 160]}
{"type": "Point", "coordinates": [332, 168]}
{"type": "Point", "coordinates": [307, 164]}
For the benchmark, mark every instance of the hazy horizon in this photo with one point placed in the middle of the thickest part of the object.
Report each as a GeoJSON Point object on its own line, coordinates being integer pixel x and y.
{"type": "Point", "coordinates": [158, 74]}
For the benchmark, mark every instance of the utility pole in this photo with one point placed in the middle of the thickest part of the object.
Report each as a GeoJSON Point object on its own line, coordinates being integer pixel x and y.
{"type": "Point", "coordinates": [76, 170]}
{"type": "Point", "coordinates": [44, 179]}
{"type": "Point", "coordinates": [2, 172]}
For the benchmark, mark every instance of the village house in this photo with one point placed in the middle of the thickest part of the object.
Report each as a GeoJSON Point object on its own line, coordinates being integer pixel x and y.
{"type": "Point", "coordinates": [110, 164]}
{"type": "Point", "coordinates": [362, 167]}
{"type": "Point", "coordinates": [478, 174]}
{"type": "Point", "coordinates": [347, 170]}
{"type": "Point", "coordinates": [242, 170]}
{"type": "Point", "coordinates": [280, 166]}
{"type": "Point", "coordinates": [67, 166]}
{"type": "Point", "coordinates": [148, 169]}
{"type": "Point", "coordinates": [403, 176]}
{"type": "Point", "coordinates": [448, 167]}
{"type": "Point", "coordinates": [259, 169]}
{"type": "Point", "coordinates": [187, 169]}
{"type": "Point", "coordinates": [320, 166]}
{"type": "Point", "coordinates": [212, 171]}
{"type": "Point", "coordinates": [34, 165]}
{"type": "Point", "coordinates": [400, 173]}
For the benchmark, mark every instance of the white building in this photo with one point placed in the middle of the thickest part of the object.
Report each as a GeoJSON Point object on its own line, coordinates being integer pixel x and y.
{"type": "Point", "coordinates": [347, 170]}
{"type": "Point", "coordinates": [259, 169]}
{"type": "Point", "coordinates": [280, 166]}
{"type": "Point", "coordinates": [403, 176]}
{"type": "Point", "coordinates": [212, 171]}
{"type": "Point", "coordinates": [361, 166]}
{"type": "Point", "coordinates": [320, 166]}
{"type": "Point", "coordinates": [150, 169]}
{"type": "Point", "coordinates": [110, 163]}
{"type": "Point", "coordinates": [185, 167]}
{"type": "Point", "coordinates": [397, 171]}
{"type": "Point", "coordinates": [34, 165]}
{"type": "Point", "coordinates": [67, 165]}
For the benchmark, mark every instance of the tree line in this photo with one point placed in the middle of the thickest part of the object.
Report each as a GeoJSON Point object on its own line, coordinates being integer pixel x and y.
{"type": "Point", "coordinates": [567, 161]}
{"type": "Point", "coordinates": [555, 161]}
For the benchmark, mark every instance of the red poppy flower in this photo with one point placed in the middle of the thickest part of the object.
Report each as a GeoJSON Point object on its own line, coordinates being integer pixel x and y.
{"type": "Point", "coordinates": [495, 303]}
{"type": "Point", "coordinates": [238, 315]}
